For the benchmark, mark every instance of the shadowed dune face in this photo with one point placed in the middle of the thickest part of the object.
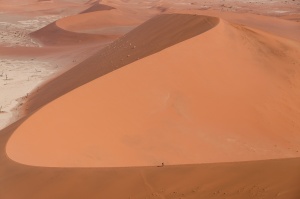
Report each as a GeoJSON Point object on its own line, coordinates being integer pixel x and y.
{"type": "Point", "coordinates": [121, 53]}
{"type": "Point", "coordinates": [228, 94]}
{"type": "Point", "coordinates": [275, 79]}
{"type": "Point", "coordinates": [53, 35]}
{"type": "Point", "coordinates": [103, 25]}
{"type": "Point", "coordinates": [97, 7]}
{"type": "Point", "coordinates": [32, 14]}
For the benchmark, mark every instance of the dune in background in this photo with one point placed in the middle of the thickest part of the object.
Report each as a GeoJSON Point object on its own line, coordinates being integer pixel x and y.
{"type": "Point", "coordinates": [97, 23]}
{"type": "Point", "coordinates": [228, 94]}
{"type": "Point", "coordinates": [97, 6]}
{"type": "Point", "coordinates": [99, 26]}
{"type": "Point", "coordinates": [111, 22]}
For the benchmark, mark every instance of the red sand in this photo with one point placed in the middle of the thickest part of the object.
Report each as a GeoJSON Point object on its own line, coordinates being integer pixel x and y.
{"type": "Point", "coordinates": [194, 89]}
{"type": "Point", "coordinates": [198, 101]}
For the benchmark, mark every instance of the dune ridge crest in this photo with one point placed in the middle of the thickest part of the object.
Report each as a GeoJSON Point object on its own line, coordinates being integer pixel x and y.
{"type": "Point", "coordinates": [210, 112]}
{"type": "Point", "coordinates": [121, 52]}
{"type": "Point", "coordinates": [53, 35]}
{"type": "Point", "coordinates": [97, 6]}
{"type": "Point", "coordinates": [98, 22]}
{"type": "Point", "coordinates": [233, 87]}
{"type": "Point", "coordinates": [56, 34]}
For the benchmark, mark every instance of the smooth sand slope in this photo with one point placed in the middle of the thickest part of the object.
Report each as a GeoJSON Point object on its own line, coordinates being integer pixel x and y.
{"type": "Point", "coordinates": [98, 23]}
{"type": "Point", "coordinates": [111, 22]}
{"type": "Point", "coordinates": [272, 25]}
{"type": "Point", "coordinates": [122, 52]}
{"type": "Point", "coordinates": [25, 62]}
{"type": "Point", "coordinates": [261, 179]}
{"type": "Point", "coordinates": [228, 94]}
{"type": "Point", "coordinates": [62, 47]}
{"type": "Point", "coordinates": [257, 179]}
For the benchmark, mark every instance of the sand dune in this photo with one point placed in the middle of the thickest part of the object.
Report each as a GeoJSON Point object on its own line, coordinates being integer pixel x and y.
{"type": "Point", "coordinates": [53, 35]}
{"type": "Point", "coordinates": [97, 7]}
{"type": "Point", "coordinates": [275, 26]}
{"type": "Point", "coordinates": [91, 26]}
{"type": "Point", "coordinates": [115, 55]}
{"type": "Point", "coordinates": [258, 179]}
{"type": "Point", "coordinates": [98, 22]}
{"type": "Point", "coordinates": [244, 107]}
{"type": "Point", "coordinates": [24, 62]}
{"type": "Point", "coordinates": [221, 89]}
{"type": "Point", "coordinates": [34, 15]}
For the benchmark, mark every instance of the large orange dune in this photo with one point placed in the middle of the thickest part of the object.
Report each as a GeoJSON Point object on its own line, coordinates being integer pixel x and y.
{"type": "Point", "coordinates": [228, 94]}
{"type": "Point", "coordinates": [121, 53]}
{"type": "Point", "coordinates": [208, 88]}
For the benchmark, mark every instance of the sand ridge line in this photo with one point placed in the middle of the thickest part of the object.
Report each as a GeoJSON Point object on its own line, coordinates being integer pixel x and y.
{"type": "Point", "coordinates": [18, 82]}
{"type": "Point", "coordinates": [257, 179]}
{"type": "Point", "coordinates": [172, 106]}
{"type": "Point", "coordinates": [122, 47]}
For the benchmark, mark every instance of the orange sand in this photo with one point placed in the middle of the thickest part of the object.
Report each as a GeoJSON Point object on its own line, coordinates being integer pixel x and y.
{"type": "Point", "coordinates": [178, 89]}
{"type": "Point", "coordinates": [229, 94]}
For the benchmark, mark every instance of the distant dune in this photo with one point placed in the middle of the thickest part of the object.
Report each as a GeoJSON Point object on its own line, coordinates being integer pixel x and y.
{"type": "Point", "coordinates": [98, 22]}
{"type": "Point", "coordinates": [53, 35]}
{"type": "Point", "coordinates": [97, 7]}
{"type": "Point", "coordinates": [88, 27]}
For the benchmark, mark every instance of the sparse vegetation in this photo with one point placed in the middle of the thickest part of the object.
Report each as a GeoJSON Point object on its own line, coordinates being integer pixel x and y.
{"type": "Point", "coordinates": [21, 76]}
{"type": "Point", "coordinates": [1, 111]}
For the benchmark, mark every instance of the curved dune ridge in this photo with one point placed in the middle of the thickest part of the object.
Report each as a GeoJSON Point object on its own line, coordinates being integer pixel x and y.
{"type": "Point", "coordinates": [99, 23]}
{"type": "Point", "coordinates": [278, 178]}
{"type": "Point", "coordinates": [229, 94]}
{"type": "Point", "coordinates": [122, 52]}
{"type": "Point", "coordinates": [96, 6]}
{"type": "Point", "coordinates": [52, 35]}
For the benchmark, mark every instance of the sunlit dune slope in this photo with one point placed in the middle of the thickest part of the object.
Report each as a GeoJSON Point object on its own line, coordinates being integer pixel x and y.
{"type": "Point", "coordinates": [266, 179]}
{"type": "Point", "coordinates": [100, 23]}
{"type": "Point", "coordinates": [105, 22]}
{"type": "Point", "coordinates": [228, 94]}
{"type": "Point", "coordinates": [163, 31]}
{"type": "Point", "coordinates": [257, 179]}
